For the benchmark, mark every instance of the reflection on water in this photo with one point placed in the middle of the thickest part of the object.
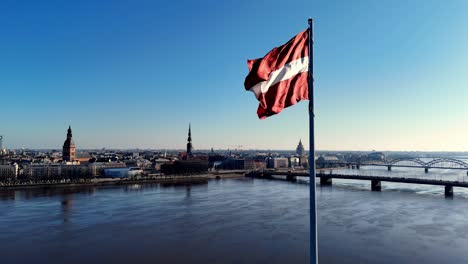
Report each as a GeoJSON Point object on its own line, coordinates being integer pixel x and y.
{"type": "Point", "coordinates": [231, 221]}
{"type": "Point", "coordinates": [7, 195]}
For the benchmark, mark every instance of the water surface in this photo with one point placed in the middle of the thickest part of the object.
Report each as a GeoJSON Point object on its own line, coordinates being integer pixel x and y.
{"type": "Point", "coordinates": [232, 221]}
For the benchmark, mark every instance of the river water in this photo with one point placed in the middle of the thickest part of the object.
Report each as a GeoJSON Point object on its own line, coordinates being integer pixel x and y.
{"type": "Point", "coordinates": [234, 221]}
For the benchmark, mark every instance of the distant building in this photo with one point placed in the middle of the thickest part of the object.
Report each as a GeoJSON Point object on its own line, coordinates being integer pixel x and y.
{"type": "Point", "coordinates": [294, 162]}
{"type": "Point", "coordinates": [185, 167]}
{"type": "Point", "coordinates": [82, 157]}
{"type": "Point", "coordinates": [68, 153]}
{"type": "Point", "coordinates": [375, 156]}
{"type": "Point", "coordinates": [159, 161]}
{"type": "Point", "coordinates": [300, 149]}
{"type": "Point", "coordinates": [8, 171]}
{"type": "Point", "coordinates": [189, 164]}
{"type": "Point", "coordinates": [237, 164]}
{"type": "Point", "coordinates": [97, 168]}
{"type": "Point", "coordinates": [328, 161]}
{"type": "Point", "coordinates": [276, 163]}
{"type": "Point", "coordinates": [304, 162]}
{"type": "Point", "coordinates": [41, 171]}
{"type": "Point", "coordinates": [122, 172]}
{"type": "Point", "coordinates": [259, 165]}
{"type": "Point", "coordinates": [2, 150]}
{"type": "Point", "coordinates": [215, 160]}
{"type": "Point", "coordinates": [56, 171]}
{"type": "Point", "coordinates": [74, 171]}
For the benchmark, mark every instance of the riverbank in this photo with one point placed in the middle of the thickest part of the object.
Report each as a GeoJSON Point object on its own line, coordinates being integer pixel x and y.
{"type": "Point", "coordinates": [227, 174]}
{"type": "Point", "coordinates": [110, 181]}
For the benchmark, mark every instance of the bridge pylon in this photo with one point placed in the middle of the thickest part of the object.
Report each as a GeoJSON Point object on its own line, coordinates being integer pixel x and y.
{"type": "Point", "coordinates": [448, 190]}
{"type": "Point", "coordinates": [324, 180]}
{"type": "Point", "coordinates": [290, 177]}
{"type": "Point", "coordinates": [376, 185]}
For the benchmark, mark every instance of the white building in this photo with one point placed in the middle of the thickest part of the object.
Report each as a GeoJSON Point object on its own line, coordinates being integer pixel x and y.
{"type": "Point", "coordinates": [97, 168]}
{"type": "Point", "coordinates": [8, 171]}
{"type": "Point", "coordinates": [40, 170]}
{"type": "Point", "coordinates": [56, 170]}
{"type": "Point", "coordinates": [122, 172]}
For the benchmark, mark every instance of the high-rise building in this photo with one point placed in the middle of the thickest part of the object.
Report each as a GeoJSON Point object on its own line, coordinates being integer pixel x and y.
{"type": "Point", "coordinates": [68, 153]}
{"type": "Point", "coordinates": [189, 143]}
{"type": "Point", "coordinates": [1, 142]}
{"type": "Point", "coordinates": [300, 149]}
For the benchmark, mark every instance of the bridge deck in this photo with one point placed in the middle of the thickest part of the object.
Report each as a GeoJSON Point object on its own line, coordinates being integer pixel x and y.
{"type": "Point", "coordinates": [412, 166]}
{"type": "Point", "coordinates": [368, 178]}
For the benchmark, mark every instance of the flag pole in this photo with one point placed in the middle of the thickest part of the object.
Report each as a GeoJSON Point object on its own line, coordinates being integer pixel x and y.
{"type": "Point", "coordinates": [313, 202]}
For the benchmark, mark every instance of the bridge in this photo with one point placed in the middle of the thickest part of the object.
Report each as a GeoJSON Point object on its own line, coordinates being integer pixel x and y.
{"type": "Point", "coordinates": [376, 181]}
{"type": "Point", "coordinates": [437, 163]}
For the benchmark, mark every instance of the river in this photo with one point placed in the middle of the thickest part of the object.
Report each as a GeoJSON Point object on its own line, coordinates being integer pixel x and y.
{"type": "Point", "coordinates": [233, 221]}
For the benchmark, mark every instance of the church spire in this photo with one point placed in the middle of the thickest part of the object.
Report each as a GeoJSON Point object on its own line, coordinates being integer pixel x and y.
{"type": "Point", "coordinates": [189, 143]}
{"type": "Point", "coordinates": [69, 132]}
{"type": "Point", "coordinates": [189, 134]}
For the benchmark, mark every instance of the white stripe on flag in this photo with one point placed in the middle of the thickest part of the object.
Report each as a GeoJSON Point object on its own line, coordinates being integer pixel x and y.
{"type": "Point", "coordinates": [286, 72]}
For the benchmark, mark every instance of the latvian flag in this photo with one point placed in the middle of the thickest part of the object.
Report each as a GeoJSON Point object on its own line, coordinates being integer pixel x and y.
{"type": "Point", "coordinates": [280, 79]}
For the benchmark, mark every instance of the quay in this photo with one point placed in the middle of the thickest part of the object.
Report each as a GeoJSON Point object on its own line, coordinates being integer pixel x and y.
{"type": "Point", "coordinates": [376, 181]}
{"type": "Point", "coordinates": [107, 182]}
{"type": "Point", "coordinates": [227, 174]}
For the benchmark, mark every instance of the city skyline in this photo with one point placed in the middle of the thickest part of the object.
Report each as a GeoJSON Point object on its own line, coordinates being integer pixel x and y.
{"type": "Point", "coordinates": [388, 76]}
{"type": "Point", "coordinates": [234, 148]}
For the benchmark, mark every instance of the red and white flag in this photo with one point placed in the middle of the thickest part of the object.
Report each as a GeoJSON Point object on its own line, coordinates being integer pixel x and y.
{"type": "Point", "coordinates": [280, 79]}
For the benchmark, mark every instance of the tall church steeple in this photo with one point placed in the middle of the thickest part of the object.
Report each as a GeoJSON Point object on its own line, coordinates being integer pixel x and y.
{"type": "Point", "coordinates": [189, 143]}
{"type": "Point", "coordinates": [69, 133]}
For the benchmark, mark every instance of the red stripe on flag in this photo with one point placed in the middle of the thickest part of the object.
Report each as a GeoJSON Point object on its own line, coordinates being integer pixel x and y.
{"type": "Point", "coordinates": [280, 79]}
{"type": "Point", "coordinates": [260, 69]}
{"type": "Point", "coordinates": [284, 94]}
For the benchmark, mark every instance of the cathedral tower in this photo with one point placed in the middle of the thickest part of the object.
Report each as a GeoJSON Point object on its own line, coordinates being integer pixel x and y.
{"type": "Point", "coordinates": [68, 153]}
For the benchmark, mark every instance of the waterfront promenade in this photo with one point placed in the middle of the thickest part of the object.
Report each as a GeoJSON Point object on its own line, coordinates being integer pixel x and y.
{"type": "Point", "coordinates": [103, 181]}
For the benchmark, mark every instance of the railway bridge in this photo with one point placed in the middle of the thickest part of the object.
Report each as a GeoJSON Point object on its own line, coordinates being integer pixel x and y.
{"type": "Point", "coordinates": [437, 163]}
{"type": "Point", "coordinates": [376, 181]}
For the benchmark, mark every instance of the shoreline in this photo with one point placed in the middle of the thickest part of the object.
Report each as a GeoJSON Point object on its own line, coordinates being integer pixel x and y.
{"type": "Point", "coordinates": [109, 182]}
{"type": "Point", "coordinates": [227, 174]}
{"type": "Point", "coordinates": [118, 181]}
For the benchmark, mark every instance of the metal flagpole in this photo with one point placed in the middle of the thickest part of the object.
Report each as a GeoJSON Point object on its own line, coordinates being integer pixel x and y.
{"type": "Point", "coordinates": [313, 202]}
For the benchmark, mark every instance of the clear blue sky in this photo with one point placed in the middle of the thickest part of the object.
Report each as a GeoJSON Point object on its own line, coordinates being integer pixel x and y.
{"type": "Point", "coordinates": [390, 75]}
